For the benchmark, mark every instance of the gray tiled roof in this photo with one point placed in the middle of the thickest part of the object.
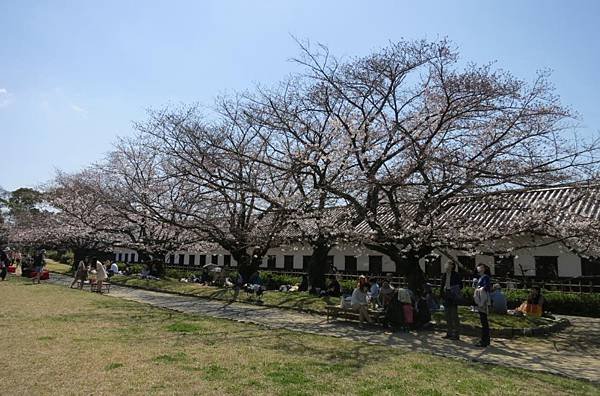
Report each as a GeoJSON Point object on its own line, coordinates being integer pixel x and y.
{"type": "Point", "coordinates": [503, 210]}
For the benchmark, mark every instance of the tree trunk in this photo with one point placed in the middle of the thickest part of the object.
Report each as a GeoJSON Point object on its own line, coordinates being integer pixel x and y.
{"type": "Point", "coordinates": [317, 266]}
{"type": "Point", "coordinates": [144, 257]}
{"type": "Point", "coordinates": [79, 254]}
{"type": "Point", "coordinates": [246, 263]}
{"type": "Point", "coordinates": [407, 264]}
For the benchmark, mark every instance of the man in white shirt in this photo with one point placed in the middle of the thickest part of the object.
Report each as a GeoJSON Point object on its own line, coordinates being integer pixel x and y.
{"type": "Point", "coordinates": [114, 269]}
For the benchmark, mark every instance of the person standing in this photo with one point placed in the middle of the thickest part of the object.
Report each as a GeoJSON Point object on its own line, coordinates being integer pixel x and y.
{"type": "Point", "coordinates": [101, 275]}
{"type": "Point", "coordinates": [451, 292]}
{"type": "Point", "coordinates": [80, 275]}
{"type": "Point", "coordinates": [483, 301]}
{"type": "Point", "coordinates": [4, 262]}
{"type": "Point", "coordinates": [38, 265]}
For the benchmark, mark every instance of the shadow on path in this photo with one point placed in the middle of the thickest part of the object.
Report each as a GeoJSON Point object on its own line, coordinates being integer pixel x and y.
{"type": "Point", "coordinates": [573, 352]}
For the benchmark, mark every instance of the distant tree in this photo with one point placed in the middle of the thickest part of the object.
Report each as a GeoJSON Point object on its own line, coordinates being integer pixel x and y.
{"type": "Point", "coordinates": [24, 200]}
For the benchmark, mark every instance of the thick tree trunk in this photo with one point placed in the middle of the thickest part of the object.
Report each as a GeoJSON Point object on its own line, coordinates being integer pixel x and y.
{"type": "Point", "coordinates": [145, 257]}
{"type": "Point", "coordinates": [407, 264]}
{"type": "Point", "coordinates": [79, 254]}
{"type": "Point", "coordinates": [154, 260]}
{"type": "Point", "coordinates": [247, 264]}
{"type": "Point", "coordinates": [318, 267]}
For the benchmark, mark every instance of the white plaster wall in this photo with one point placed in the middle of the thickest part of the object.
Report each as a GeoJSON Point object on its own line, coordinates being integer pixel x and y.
{"type": "Point", "coordinates": [122, 251]}
{"type": "Point", "coordinates": [569, 265]}
{"type": "Point", "coordinates": [527, 261]}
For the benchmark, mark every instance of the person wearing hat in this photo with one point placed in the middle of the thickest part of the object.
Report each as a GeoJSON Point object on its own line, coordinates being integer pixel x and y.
{"type": "Point", "coordinates": [498, 300]}
{"type": "Point", "coordinates": [4, 262]}
{"type": "Point", "coordinates": [359, 301]}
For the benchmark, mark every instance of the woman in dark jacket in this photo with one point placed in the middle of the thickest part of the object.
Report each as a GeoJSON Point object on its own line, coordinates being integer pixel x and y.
{"type": "Point", "coordinates": [450, 292]}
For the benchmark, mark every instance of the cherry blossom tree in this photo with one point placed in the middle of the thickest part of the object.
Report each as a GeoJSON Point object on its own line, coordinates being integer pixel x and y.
{"type": "Point", "coordinates": [216, 184]}
{"type": "Point", "coordinates": [100, 198]}
{"type": "Point", "coordinates": [415, 129]}
{"type": "Point", "coordinates": [302, 140]}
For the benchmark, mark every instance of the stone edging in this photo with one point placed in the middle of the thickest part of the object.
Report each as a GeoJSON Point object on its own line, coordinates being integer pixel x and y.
{"type": "Point", "coordinates": [507, 332]}
{"type": "Point", "coordinates": [511, 332]}
{"type": "Point", "coordinates": [154, 289]}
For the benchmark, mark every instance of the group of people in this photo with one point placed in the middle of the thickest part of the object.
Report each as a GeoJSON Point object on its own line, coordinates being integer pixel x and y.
{"type": "Point", "coordinates": [451, 292]}
{"type": "Point", "coordinates": [402, 308]}
{"type": "Point", "coordinates": [415, 308]}
{"type": "Point", "coordinates": [98, 269]}
{"type": "Point", "coordinates": [33, 265]}
{"type": "Point", "coordinates": [488, 299]}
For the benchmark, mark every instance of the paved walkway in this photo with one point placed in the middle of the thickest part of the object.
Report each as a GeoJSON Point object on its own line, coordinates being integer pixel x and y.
{"type": "Point", "coordinates": [575, 352]}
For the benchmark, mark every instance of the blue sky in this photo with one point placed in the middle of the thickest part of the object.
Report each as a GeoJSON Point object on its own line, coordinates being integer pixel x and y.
{"type": "Point", "coordinates": [76, 74]}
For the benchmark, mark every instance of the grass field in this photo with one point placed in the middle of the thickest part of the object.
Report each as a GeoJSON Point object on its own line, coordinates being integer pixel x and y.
{"type": "Point", "coordinates": [55, 266]}
{"type": "Point", "coordinates": [63, 341]}
{"type": "Point", "coordinates": [306, 301]}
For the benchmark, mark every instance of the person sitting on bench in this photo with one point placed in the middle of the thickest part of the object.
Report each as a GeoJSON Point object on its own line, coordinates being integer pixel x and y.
{"type": "Point", "coordinates": [359, 301]}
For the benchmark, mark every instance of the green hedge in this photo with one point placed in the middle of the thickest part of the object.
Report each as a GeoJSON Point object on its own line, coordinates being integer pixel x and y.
{"type": "Point", "coordinates": [348, 285]}
{"type": "Point", "coordinates": [60, 256]}
{"type": "Point", "coordinates": [565, 303]}
{"type": "Point", "coordinates": [178, 273]}
{"type": "Point", "coordinates": [278, 279]}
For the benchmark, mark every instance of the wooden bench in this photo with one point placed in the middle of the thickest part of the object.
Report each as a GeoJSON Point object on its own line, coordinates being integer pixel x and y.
{"type": "Point", "coordinates": [335, 312]}
{"type": "Point", "coordinates": [105, 287]}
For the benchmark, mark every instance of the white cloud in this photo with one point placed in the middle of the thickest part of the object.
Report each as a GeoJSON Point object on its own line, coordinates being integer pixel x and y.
{"type": "Point", "coordinates": [6, 97]}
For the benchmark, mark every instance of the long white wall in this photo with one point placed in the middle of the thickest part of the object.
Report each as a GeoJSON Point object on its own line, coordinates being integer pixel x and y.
{"type": "Point", "coordinates": [569, 264]}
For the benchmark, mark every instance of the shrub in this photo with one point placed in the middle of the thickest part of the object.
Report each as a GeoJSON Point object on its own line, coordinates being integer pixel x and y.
{"type": "Point", "coordinates": [277, 279]}
{"type": "Point", "coordinates": [53, 255]}
{"type": "Point", "coordinates": [179, 273]}
{"type": "Point", "coordinates": [135, 268]}
{"type": "Point", "coordinates": [565, 303]}
{"type": "Point", "coordinates": [67, 258]}
{"type": "Point", "coordinates": [61, 256]}
{"type": "Point", "coordinates": [233, 275]}
{"type": "Point", "coordinates": [347, 285]}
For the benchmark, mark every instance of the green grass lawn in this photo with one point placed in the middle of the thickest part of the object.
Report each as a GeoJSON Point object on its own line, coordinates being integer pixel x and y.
{"type": "Point", "coordinates": [64, 341]}
{"type": "Point", "coordinates": [470, 318]}
{"type": "Point", "coordinates": [296, 300]}
{"type": "Point", "coordinates": [55, 266]}
{"type": "Point", "coordinates": [306, 301]}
